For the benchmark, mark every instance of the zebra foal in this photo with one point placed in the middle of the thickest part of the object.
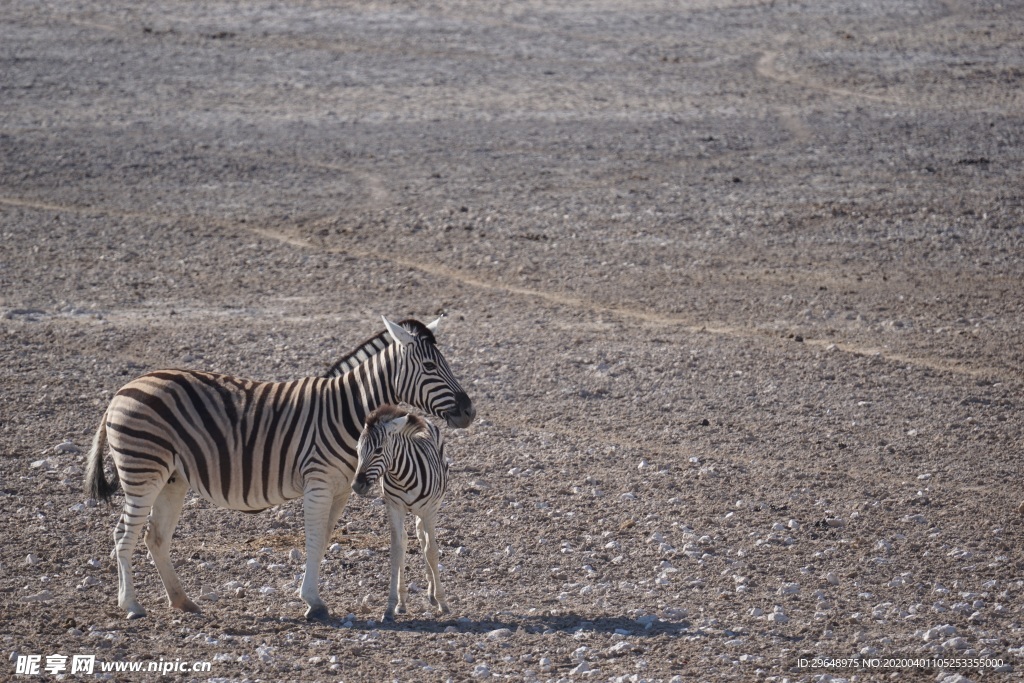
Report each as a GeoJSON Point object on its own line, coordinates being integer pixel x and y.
{"type": "Point", "coordinates": [405, 454]}
{"type": "Point", "coordinates": [248, 445]}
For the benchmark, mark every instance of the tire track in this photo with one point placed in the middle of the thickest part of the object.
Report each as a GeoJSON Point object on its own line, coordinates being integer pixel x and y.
{"type": "Point", "coordinates": [686, 325]}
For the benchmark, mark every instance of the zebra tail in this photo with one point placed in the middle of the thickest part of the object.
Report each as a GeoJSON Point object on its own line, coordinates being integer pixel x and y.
{"type": "Point", "coordinates": [96, 484]}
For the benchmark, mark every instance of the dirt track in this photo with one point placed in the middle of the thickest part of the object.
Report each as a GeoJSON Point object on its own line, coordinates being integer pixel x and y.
{"type": "Point", "coordinates": [737, 290]}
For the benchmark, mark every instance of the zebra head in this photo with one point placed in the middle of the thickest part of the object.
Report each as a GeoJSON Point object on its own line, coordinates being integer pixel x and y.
{"type": "Point", "coordinates": [374, 455]}
{"type": "Point", "coordinates": [423, 378]}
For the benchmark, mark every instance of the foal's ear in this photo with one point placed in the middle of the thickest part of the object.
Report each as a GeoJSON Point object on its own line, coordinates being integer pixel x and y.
{"type": "Point", "coordinates": [397, 424]}
{"type": "Point", "coordinates": [398, 333]}
{"type": "Point", "coordinates": [432, 326]}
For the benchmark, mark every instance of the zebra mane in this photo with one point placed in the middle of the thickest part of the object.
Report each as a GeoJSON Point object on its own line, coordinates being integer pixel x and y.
{"type": "Point", "coordinates": [374, 345]}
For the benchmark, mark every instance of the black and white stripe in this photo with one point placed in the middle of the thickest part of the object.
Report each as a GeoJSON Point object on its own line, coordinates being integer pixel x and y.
{"type": "Point", "coordinates": [248, 445]}
{"type": "Point", "coordinates": [405, 454]}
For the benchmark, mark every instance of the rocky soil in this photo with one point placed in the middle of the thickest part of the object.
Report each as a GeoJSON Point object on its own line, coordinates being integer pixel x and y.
{"type": "Point", "coordinates": [736, 286]}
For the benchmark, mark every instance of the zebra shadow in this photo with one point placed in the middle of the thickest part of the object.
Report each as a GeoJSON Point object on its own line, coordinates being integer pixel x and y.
{"type": "Point", "coordinates": [529, 624]}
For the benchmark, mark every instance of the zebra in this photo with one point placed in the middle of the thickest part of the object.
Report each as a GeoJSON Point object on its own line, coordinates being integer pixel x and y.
{"type": "Point", "coordinates": [405, 454]}
{"type": "Point", "coordinates": [249, 445]}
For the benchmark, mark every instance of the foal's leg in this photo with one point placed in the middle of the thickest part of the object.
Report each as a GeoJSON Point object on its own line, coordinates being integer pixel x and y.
{"type": "Point", "coordinates": [428, 541]}
{"type": "Point", "coordinates": [162, 520]}
{"type": "Point", "coordinates": [396, 517]}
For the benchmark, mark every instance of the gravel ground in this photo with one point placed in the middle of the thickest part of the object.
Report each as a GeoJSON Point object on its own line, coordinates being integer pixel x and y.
{"type": "Point", "coordinates": [736, 287]}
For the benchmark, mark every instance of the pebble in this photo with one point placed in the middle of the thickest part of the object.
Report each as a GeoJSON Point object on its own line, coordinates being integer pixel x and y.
{"type": "Point", "coordinates": [36, 464]}
{"type": "Point", "coordinates": [88, 582]}
{"type": "Point", "coordinates": [832, 578]}
{"type": "Point", "coordinates": [31, 559]}
{"type": "Point", "coordinates": [544, 664]}
{"type": "Point", "coordinates": [789, 589]}
{"type": "Point", "coordinates": [939, 632]}
{"type": "Point", "coordinates": [43, 596]}
{"type": "Point", "coordinates": [620, 648]}
{"type": "Point", "coordinates": [67, 447]}
{"type": "Point", "coordinates": [499, 634]}
{"type": "Point", "coordinates": [581, 668]}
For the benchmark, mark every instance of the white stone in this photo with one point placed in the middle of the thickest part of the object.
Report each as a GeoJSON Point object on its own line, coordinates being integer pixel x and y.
{"type": "Point", "coordinates": [43, 596]}
{"type": "Point", "coordinates": [581, 668]}
{"type": "Point", "coordinates": [937, 632]}
{"type": "Point", "coordinates": [67, 447]}
{"type": "Point", "coordinates": [789, 589]}
{"type": "Point", "coordinates": [832, 578]}
{"type": "Point", "coordinates": [499, 634]}
{"type": "Point", "coordinates": [957, 643]}
{"type": "Point", "coordinates": [31, 559]}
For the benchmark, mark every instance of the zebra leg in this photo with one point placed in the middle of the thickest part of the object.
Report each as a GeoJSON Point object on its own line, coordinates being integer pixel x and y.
{"type": "Point", "coordinates": [396, 517]}
{"type": "Point", "coordinates": [162, 521]}
{"type": "Point", "coordinates": [337, 507]}
{"type": "Point", "coordinates": [317, 506]}
{"type": "Point", "coordinates": [428, 540]}
{"type": "Point", "coordinates": [126, 536]}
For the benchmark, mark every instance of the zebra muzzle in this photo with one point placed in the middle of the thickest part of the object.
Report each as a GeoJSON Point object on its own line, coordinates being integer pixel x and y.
{"type": "Point", "coordinates": [360, 485]}
{"type": "Point", "coordinates": [462, 414]}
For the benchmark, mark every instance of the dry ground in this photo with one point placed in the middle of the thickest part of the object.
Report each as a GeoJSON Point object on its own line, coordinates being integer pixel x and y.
{"type": "Point", "coordinates": [737, 288]}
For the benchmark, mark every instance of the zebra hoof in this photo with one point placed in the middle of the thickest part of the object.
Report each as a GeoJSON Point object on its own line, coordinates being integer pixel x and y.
{"type": "Point", "coordinates": [189, 606]}
{"type": "Point", "coordinates": [137, 613]}
{"type": "Point", "coordinates": [318, 613]}
{"type": "Point", "coordinates": [388, 618]}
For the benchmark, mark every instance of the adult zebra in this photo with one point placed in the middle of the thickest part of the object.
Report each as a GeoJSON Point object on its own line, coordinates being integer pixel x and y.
{"type": "Point", "coordinates": [248, 445]}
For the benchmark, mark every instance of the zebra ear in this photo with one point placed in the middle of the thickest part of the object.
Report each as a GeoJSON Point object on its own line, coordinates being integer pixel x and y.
{"type": "Point", "coordinates": [397, 424]}
{"type": "Point", "coordinates": [433, 325]}
{"type": "Point", "coordinates": [398, 333]}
